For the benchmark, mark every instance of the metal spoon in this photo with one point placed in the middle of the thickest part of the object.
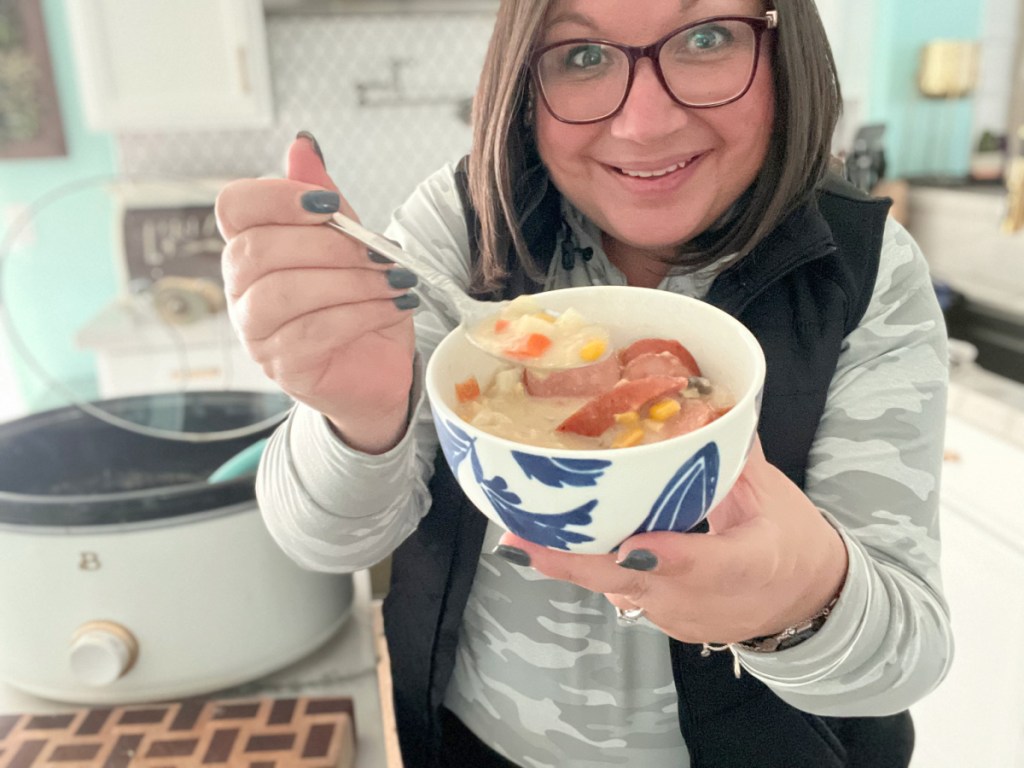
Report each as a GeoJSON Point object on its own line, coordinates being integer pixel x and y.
{"type": "Point", "coordinates": [470, 313]}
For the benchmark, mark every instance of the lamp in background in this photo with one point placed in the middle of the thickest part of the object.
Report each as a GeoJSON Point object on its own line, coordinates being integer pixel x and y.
{"type": "Point", "coordinates": [947, 74]}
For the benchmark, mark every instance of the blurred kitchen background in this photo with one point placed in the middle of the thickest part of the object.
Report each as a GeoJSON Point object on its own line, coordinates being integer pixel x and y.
{"type": "Point", "coordinates": [120, 120]}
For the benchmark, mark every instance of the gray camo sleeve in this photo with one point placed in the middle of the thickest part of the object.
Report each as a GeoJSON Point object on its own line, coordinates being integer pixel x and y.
{"type": "Point", "coordinates": [874, 472]}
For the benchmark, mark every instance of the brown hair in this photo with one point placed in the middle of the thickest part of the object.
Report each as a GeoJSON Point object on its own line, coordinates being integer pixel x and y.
{"type": "Point", "coordinates": [807, 106]}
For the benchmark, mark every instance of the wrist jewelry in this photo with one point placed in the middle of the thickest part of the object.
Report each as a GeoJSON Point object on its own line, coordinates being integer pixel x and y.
{"type": "Point", "coordinates": [793, 635]}
{"type": "Point", "coordinates": [787, 638]}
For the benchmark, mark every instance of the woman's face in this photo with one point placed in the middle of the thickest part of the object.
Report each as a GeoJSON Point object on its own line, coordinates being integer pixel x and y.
{"type": "Point", "coordinates": [711, 155]}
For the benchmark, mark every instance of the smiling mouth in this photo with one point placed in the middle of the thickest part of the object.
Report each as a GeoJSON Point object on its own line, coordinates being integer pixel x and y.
{"type": "Point", "coordinates": [658, 173]}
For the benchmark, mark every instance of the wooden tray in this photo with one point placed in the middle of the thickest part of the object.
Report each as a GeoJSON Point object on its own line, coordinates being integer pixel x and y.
{"type": "Point", "coordinates": [259, 733]}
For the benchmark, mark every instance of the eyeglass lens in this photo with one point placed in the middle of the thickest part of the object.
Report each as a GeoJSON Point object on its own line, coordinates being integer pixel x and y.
{"type": "Point", "coordinates": [703, 64]}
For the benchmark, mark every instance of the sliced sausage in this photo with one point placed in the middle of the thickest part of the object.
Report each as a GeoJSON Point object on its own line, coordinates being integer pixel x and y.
{"type": "Point", "coordinates": [584, 381]}
{"type": "Point", "coordinates": [598, 414]}
{"type": "Point", "coordinates": [673, 347]}
{"type": "Point", "coordinates": [655, 364]}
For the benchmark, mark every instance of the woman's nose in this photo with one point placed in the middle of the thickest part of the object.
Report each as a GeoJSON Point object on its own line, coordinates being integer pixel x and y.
{"type": "Point", "coordinates": [649, 112]}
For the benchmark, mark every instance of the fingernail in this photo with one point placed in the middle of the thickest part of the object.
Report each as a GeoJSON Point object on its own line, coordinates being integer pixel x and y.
{"type": "Point", "coordinates": [321, 201]}
{"type": "Point", "coordinates": [407, 301]}
{"type": "Point", "coordinates": [639, 560]}
{"type": "Point", "coordinates": [401, 278]}
{"type": "Point", "coordinates": [378, 259]}
{"type": "Point", "coordinates": [514, 555]}
{"type": "Point", "coordinates": [316, 145]}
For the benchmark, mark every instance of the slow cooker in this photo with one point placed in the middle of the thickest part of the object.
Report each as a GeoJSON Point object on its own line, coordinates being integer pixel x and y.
{"type": "Point", "coordinates": [127, 575]}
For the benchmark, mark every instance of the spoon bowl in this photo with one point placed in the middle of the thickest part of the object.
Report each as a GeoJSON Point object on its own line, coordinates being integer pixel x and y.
{"type": "Point", "coordinates": [476, 318]}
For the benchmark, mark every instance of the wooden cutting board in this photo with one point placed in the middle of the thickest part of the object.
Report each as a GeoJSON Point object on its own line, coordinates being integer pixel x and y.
{"type": "Point", "coordinates": [301, 732]}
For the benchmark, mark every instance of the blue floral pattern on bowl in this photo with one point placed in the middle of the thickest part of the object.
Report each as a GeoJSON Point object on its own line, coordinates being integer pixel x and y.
{"type": "Point", "coordinates": [682, 503]}
{"type": "Point", "coordinates": [687, 497]}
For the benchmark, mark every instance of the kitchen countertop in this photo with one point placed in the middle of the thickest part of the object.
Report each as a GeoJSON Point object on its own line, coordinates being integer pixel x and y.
{"type": "Point", "coordinates": [976, 716]}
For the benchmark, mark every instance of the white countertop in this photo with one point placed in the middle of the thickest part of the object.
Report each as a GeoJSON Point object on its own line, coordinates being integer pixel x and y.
{"type": "Point", "coordinates": [976, 716]}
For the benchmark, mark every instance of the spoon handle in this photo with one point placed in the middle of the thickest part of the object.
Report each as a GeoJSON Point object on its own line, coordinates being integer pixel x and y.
{"type": "Point", "coordinates": [464, 305]}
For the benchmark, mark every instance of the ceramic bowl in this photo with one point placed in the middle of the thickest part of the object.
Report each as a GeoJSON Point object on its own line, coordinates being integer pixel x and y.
{"type": "Point", "coordinates": [592, 500]}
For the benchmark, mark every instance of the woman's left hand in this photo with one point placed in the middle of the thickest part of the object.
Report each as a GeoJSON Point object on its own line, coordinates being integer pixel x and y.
{"type": "Point", "coordinates": [769, 561]}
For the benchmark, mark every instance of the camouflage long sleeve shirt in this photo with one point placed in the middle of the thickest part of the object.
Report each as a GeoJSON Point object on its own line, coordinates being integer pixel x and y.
{"type": "Point", "coordinates": [543, 673]}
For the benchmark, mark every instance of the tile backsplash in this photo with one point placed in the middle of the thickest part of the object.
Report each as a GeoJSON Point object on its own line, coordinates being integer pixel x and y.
{"type": "Point", "coordinates": [1000, 25]}
{"type": "Point", "coordinates": [386, 95]}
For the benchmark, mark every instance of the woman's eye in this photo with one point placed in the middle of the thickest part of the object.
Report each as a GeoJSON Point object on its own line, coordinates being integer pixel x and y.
{"type": "Point", "coordinates": [706, 39]}
{"type": "Point", "coordinates": [584, 56]}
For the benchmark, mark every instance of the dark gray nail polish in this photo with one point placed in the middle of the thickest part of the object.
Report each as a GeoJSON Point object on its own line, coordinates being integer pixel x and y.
{"type": "Point", "coordinates": [401, 278]}
{"type": "Point", "coordinates": [316, 145]}
{"type": "Point", "coordinates": [321, 201]}
{"type": "Point", "coordinates": [378, 259]}
{"type": "Point", "coordinates": [407, 301]}
{"type": "Point", "coordinates": [639, 560]}
{"type": "Point", "coordinates": [514, 555]}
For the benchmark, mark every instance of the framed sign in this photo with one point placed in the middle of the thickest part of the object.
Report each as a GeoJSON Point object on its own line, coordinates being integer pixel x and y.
{"type": "Point", "coordinates": [181, 240]}
{"type": "Point", "coordinates": [30, 123]}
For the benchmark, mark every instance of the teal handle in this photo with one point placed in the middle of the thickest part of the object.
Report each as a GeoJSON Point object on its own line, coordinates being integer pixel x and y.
{"type": "Point", "coordinates": [242, 464]}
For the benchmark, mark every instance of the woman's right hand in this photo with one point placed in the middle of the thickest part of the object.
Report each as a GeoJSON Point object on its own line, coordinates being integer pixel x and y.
{"type": "Point", "coordinates": [311, 306]}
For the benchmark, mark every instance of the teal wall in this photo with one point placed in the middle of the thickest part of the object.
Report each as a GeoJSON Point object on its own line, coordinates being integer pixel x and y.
{"type": "Point", "coordinates": [61, 270]}
{"type": "Point", "coordinates": [924, 137]}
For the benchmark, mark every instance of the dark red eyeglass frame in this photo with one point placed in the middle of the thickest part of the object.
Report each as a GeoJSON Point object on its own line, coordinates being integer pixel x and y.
{"type": "Point", "coordinates": [634, 53]}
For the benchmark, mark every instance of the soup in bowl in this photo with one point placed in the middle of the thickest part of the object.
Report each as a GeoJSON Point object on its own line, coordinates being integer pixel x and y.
{"type": "Point", "coordinates": [582, 467]}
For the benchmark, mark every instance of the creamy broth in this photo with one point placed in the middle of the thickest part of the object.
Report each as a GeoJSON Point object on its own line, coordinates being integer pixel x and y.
{"type": "Point", "coordinates": [609, 411]}
{"type": "Point", "coordinates": [524, 419]}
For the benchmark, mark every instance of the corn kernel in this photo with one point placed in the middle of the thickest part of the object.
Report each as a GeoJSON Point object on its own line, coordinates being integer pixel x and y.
{"type": "Point", "coordinates": [630, 438]}
{"type": "Point", "coordinates": [665, 409]}
{"type": "Point", "coordinates": [627, 418]}
{"type": "Point", "coordinates": [593, 350]}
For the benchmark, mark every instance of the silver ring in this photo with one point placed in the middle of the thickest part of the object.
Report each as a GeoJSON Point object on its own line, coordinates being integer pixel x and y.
{"type": "Point", "coordinates": [629, 615]}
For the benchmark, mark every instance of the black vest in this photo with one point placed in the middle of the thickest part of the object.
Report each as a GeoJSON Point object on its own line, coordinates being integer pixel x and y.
{"type": "Point", "coordinates": [801, 291]}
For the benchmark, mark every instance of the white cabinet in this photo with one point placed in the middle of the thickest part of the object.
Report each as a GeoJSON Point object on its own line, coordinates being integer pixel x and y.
{"type": "Point", "coordinates": [959, 231]}
{"type": "Point", "coordinates": [171, 64]}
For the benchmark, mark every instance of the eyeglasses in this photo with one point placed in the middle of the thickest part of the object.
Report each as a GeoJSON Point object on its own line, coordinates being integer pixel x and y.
{"type": "Point", "coordinates": [708, 63]}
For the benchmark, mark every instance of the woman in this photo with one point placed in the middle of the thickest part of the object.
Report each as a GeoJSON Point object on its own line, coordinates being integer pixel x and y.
{"type": "Point", "coordinates": [800, 630]}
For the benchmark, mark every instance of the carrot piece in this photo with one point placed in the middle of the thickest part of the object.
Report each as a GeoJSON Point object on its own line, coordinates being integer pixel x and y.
{"type": "Point", "coordinates": [532, 346]}
{"type": "Point", "coordinates": [467, 390]}
{"type": "Point", "coordinates": [500, 326]}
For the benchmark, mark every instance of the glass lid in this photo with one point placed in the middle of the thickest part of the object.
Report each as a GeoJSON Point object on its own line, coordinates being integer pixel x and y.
{"type": "Point", "coordinates": [111, 303]}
